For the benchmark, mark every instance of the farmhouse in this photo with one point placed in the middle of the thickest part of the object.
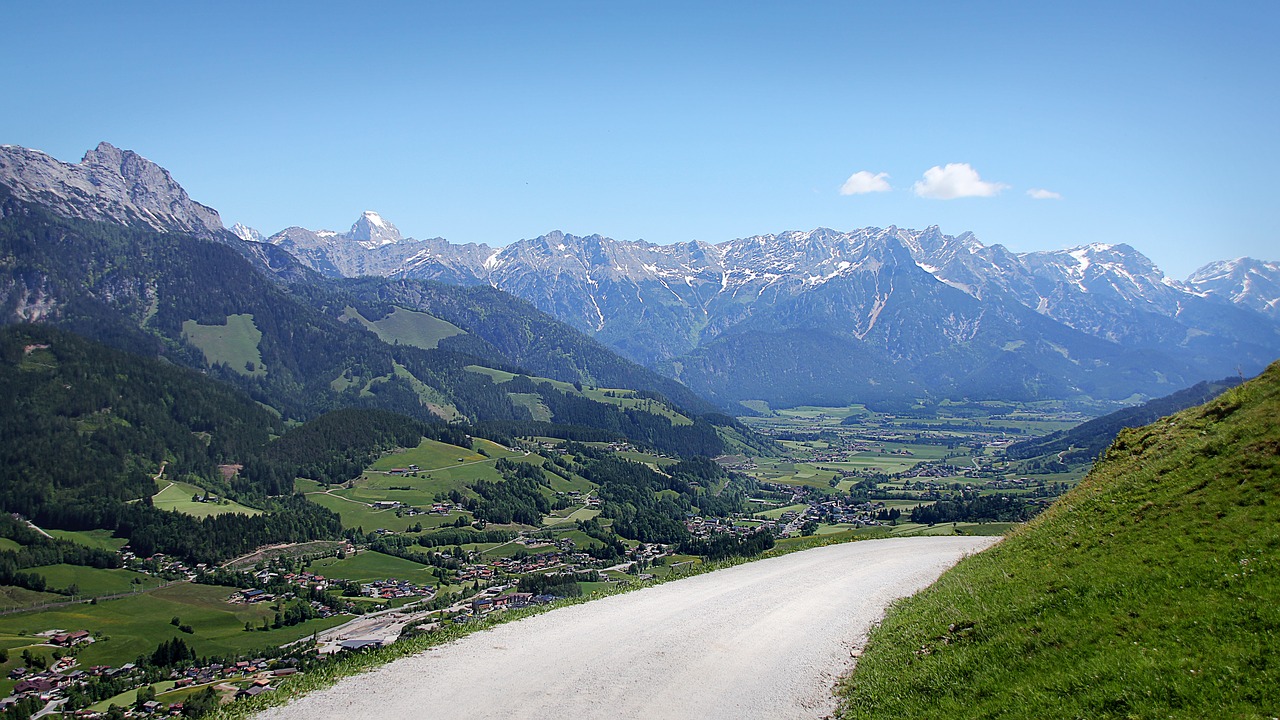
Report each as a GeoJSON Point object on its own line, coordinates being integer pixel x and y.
{"type": "Point", "coordinates": [72, 638]}
{"type": "Point", "coordinates": [254, 595]}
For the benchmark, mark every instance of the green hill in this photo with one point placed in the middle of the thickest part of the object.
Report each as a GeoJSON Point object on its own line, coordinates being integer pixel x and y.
{"type": "Point", "coordinates": [1083, 442]}
{"type": "Point", "coordinates": [1151, 590]}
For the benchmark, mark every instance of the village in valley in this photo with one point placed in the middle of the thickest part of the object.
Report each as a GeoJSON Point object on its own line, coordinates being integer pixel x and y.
{"type": "Point", "coordinates": [422, 551]}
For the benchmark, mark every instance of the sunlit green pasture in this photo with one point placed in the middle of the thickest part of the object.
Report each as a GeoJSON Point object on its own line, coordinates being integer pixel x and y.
{"type": "Point", "coordinates": [101, 539]}
{"type": "Point", "coordinates": [408, 327]}
{"type": "Point", "coordinates": [368, 565]}
{"type": "Point", "coordinates": [135, 625]}
{"type": "Point", "coordinates": [93, 582]}
{"type": "Point", "coordinates": [234, 344]}
{"type": "Point", "coordinates": [177, 496]}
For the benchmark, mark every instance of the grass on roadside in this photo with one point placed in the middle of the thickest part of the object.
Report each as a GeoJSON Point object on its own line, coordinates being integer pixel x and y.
{"type": "Point", "coordinates": [1150, 590]}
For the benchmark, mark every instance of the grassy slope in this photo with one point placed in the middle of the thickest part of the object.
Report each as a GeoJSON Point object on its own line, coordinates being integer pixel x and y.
{"type": "Point", "coordinates": [234, 343]}
{"type": "Point", "coordinates": [369, 565]}
{"type": "Point", "coordinates": [176, 496]}
{"type": "Point", "coordinates": [1152, 589]}
{"type": "Point", "coordinates": [92, 538]}
{"type": "Point", "coordinates": [137, 624]}
{"type": "Point", "coordinates": [611, 396]}
{"type": "Point", "coordinates": [94, 582]}
{"type": "Point", "coordinates": [408, 327]}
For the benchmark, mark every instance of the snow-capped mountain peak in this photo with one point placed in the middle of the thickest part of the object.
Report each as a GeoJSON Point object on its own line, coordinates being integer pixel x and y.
{"type": "Point", "coordinates": [246, 233]}
{"type": "Point", "coordinates": [371, 231]}
{"type": "Point", "coordinates": [1244, 281]}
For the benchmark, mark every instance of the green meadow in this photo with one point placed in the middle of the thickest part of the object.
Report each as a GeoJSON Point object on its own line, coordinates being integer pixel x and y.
{"type": "Point", "coordinates": [408, 327]}
{"type": "Point", "coordinates": [177, 496]}
{"type": "Point", "coordinates": [622, 398]}
{"type": "Point", "coordinates": [135, 625]}
{"type": "Point", "coordinates": [101, 539]}
{"type": "Point", "coordinates": [94, 582]}
{"type": "Point", "coordinates": [369, 565]}
{"type": "Point", "coordinates": [235, 343]}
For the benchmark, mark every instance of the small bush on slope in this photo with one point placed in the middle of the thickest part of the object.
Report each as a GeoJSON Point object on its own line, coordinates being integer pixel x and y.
{"type": "Point", "coordinates": [1151, 590]}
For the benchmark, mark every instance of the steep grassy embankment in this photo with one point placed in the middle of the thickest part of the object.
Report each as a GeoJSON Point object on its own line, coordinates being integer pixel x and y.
{"type": "Point", "coordinates": [1151, 590]}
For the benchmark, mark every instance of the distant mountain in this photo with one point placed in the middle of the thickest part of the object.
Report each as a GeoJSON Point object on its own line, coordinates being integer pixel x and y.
{"type": "Point", "coordinates": [790, 318]}
{"type": "Point", "coordinates": [1244, 281]}
{"type": "Point", "coordinates": [828, 316]}
{"type": "Point", "coordinates": [308, 345]}
{"type": "Point", "coordinates": [246, 233]}
{"type": "Point", "coordinates": [374, 246]}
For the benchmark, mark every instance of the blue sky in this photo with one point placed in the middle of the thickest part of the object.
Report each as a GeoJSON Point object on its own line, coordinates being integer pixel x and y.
{"type": "Point", "coordinates": [1155, 123]}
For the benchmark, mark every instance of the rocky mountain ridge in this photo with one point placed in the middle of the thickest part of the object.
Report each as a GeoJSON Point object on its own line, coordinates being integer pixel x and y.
{"type": "Point", "coordinates": [801, 315]}
{"type": "Point", "coordinates": [1108, 291]}
{"type": "Point", "coordinates": [1244, 281]}
{"type": "Point", "coordinates": [108, 185]}
{"type": "Point", "coordinates": [823, 314]}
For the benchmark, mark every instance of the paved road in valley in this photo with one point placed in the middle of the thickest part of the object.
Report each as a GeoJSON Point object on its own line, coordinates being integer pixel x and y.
{"type": "Point", "coordinates": [764, 640]}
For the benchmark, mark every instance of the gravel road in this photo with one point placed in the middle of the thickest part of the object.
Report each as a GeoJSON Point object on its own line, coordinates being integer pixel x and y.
{"type": "Point", "coordinates": [766, 639]}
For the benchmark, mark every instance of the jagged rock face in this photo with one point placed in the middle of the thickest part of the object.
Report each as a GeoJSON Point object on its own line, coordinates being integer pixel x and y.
{"type": "Point", "coordinates": [246, 233]}
{"type": "Point", "coordinates": [902, 306]}
{"type": "Point", "coordinates": [372, 231]}
{"type": "Point", "coordinates": [913, 298]}
{"type": "Point", "coordinates": [374, 246]}
{"type": "Point", "coordinates": [1244, 281]}
{"type": "Point", "coordinates": [108, 185]}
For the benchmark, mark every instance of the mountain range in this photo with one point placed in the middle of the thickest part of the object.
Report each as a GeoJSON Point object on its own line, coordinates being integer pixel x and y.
{"type": "Point", "coordinates": [822, 317]}
{"type": "Point", "coordinates": [825, 316]}
{"type": "Point", "coordinates": [118, 261]}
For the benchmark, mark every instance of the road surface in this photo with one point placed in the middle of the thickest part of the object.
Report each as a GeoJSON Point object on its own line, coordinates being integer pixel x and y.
{"type": "Point", "coordinates": [766, 639]}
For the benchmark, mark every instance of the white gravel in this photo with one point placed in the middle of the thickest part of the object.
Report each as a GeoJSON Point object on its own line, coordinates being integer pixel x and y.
{"type": "Point", "coordinates": [766, 639]}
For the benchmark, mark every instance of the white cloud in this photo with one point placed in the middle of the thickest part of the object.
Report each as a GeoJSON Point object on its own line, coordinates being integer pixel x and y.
{"type": "Point", "coordinates": [1042, 194]}
{"type": "Point", "coordinates": [863, 182]}
{"type": "Point", "coordinates": [955, 180]}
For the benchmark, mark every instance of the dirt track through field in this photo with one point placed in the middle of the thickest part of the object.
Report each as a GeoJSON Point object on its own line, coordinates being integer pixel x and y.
{"type": "Point", "coordinates": [767, 639]}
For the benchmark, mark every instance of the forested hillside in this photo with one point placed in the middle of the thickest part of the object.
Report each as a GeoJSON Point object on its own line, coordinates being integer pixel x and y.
{"type": "Point", "coordinates": [517, 332]}
{"type": "Point", "coordinates": [86, 432]}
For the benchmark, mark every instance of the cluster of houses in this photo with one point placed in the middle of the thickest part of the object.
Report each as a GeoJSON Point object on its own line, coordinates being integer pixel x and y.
{"type": "Point", "coordinates": [215, 672]}
{"type": "Point", "coordinates": [843, 510]}
{"type": "Point", "coordinates": [391, 588]}
{"type": "Point", "coordinates": [252, 595]}
{"type": "Point", "coordinates": [54, 683]}
{"type": "Point", "coordinates": [531, 563]}
{"type": "Point", "coordinates": [161, 565]}
{"type": "Point", "coordinates": [514, 600]}
{"type": "Point", "coordinates": [71, 639]}
{"type": "Point", "coordinates": [440, 508]}
{"type": "Point", "coordinates": [702, 528]}
{"type": "Point", "coordinates": [307, 579]}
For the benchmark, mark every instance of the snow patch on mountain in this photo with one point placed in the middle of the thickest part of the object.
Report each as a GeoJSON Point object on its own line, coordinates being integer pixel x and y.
{"type": "Point", "coordinates": [246, 233]}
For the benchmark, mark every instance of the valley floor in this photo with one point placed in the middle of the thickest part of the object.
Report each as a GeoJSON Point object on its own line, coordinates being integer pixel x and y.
{"type": "Point", "coordinates": [760, 640]}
